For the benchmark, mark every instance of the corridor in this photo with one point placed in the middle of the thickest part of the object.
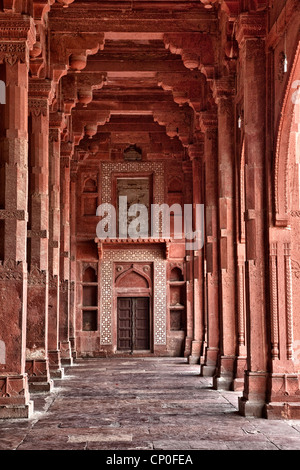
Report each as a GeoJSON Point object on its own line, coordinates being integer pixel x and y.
{"type": "Point", "coordinates": [141, 404]}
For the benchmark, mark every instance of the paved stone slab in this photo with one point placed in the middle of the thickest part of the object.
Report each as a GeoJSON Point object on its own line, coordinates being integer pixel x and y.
{"type": "Point", "coordinates": [143, 404]}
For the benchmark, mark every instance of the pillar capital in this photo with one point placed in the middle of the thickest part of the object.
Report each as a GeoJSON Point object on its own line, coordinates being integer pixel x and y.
{"type": "Point", "coordinates": [208, 121]}
{"type": "Point", "coordinates": [40, 95]}
{"type": "Point", "coordinates": [187, 167]}
{"type": "Point", "coordinates": [41, 89]}
{"type": "Point", "coordinates": [17, 36]}
{"type": "Point", "coordinates": [223, 88]}
{"type": "Point", "coordinates": [251, 26]}
{"type": "Point", "coordinates": [196, 151]}
{"type": "Point", "coordinates": [66, 151]}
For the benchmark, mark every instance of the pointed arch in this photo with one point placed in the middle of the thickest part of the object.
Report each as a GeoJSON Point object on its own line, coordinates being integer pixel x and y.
{"type": "Point", "coordinates": [135, 277]}
{"type": "Point", "coordinates": [283, 144]}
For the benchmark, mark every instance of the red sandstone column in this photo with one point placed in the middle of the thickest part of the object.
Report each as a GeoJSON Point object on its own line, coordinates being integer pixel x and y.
{"type": "Point", "coordinates": [250, 35]}
{"type": "Point", "coordinates": [37, 365]}
{"type": "Point", "coordinates": [73, 197]}
{"type": "Point", "coordinates": [197, 254]}
{"type": "Point", "coordinates": [14, 395]}
{"type": "Point", "coordinates": [188, 198]}
{"type": "Point", "coordinates": [209, 125]}
{"type": "Point", "coordinates": [224, 96]}
{"type": "Point", "coordinates": [64, 293]}
{"type": "Point", "coordinates": [56, 126]}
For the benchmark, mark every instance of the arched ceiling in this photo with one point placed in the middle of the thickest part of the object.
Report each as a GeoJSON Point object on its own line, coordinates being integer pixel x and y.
{"type": "Point", "coordinates": [143, 66]}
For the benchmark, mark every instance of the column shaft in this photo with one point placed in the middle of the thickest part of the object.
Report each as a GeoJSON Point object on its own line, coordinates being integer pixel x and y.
{"type": "Point", "coordinates": [14, 391]}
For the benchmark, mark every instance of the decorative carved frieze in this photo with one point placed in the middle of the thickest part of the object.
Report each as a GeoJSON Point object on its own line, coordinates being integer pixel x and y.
{"type": "Point", "coordinates": [12, 270]}
{"type": "Point", "coordinates": [17, 214]}
{"type": "Point", "coordinates": [38, 107]}
{"type": "Point", "coordinates": [251, 26]}
{"type": "Point", "coordinates": [37, 277]}
{"type": "Point", "coordinates": [17, 36]}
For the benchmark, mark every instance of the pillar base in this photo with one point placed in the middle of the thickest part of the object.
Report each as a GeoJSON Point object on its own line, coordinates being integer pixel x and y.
{"type": "Point", "coordinates": [222, 383]}
{"type": "Point", "coordinates": [55, 369]}
{"type": "Point", "coordinates": [238, 385]}
{"type": "Point", "coordinates": [16, 411]}
{"type": "Point", "coordinates": [187, 347]}
{"type": "Point", "coordinates": [207, 371]}
{"type": "Point", "coordinates": [14, 396]}
{"type": "Point", "coordinates": [194, 357]}
{"type": "Point", "coordinates": [223, 380]}
{"type": "Point", "coordinates": [73, 348]}
{"type": "Point", "coordinates": [38, 375]}
{"type": "Point", "coordinates": [57, 373]}
{"type": "Point", "coordinates": [209, 367]}
{"type": "Point", "coordinates": [251, 408]}
{"type": "Point", "coordinates": [282, 410]}
{"type": "Point", "coordinates": [66, 353]}
{"type": "Point", "coordinates": [253, 401]}
{"type": "Point", "coordinates": [67, 361]}
{"type": "Point", "coordinates": [41, 386]}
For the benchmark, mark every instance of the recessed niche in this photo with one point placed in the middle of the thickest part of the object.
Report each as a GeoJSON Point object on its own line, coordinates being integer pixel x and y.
{"type": "Point", "coordinates": [90, 275]}
{"type": "Point", "coordinates": [177, 320]}
{"type": "Point", "coordinates": [90, 296]}
{"type": "Point", "coordinates": [90, 206]}
{"type": "Point", "coordinates": [89, 320]}
{"type": "Point", "coordinates": [90, 186]}
{"type": "Point", "coordinates": [176, 275]}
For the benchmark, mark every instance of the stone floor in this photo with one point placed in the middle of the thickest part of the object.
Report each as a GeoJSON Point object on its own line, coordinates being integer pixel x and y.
{"type": "Point", "coordinates": [141, 403]}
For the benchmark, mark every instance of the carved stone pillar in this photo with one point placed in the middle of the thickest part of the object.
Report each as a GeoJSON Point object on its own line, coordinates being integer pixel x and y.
{"type": "Point", "coordinates": [37, 364]}
{"type": "Point", "coordinates": [197, 254]}
{"type": "Point", "coordinates": [250, 35]}
{"type": "Point", "coordinates": [209, 125]}
{"type": "Point", "coordinates": [14, 392]}
{"type": "Point", "coordinates": [224, 96]}
{"type": "Point", "coordinates": [56, 126]}
{"type": "Point", "coordinates": [64, 294]}
{"type": "Point", "coordinates": [73, 197]}
{"type": "Point", "coordinates": [241, 321]}
{"type": "Point", "coordinates": [188, 197]}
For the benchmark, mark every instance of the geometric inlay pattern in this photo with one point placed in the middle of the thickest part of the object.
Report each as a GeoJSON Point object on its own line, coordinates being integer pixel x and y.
{"type": "Point", "coordinates": [155, 255]}
{"type": "Point", "coordinates": [157, 168]}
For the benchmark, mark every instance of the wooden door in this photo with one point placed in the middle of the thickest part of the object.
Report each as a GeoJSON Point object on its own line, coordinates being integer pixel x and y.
{"type": "Point", "coordinates": [133, 323]}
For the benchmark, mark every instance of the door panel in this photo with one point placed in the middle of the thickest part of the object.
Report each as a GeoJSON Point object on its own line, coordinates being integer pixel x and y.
{"type": "Point", "coordinates": [133, 323]}
{"type": "Point", "coordinates": [124, 323]}
{"type": "Point", "coordinates": [141, 326]}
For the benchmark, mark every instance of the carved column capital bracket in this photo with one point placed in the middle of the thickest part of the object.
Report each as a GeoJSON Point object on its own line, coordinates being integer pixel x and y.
{"type": "Point", "coordinates": [40, 96]}
{"type": "Point", "coordinates": [223, 88]}
{"type": "Point", "coordinates": [208, 121]}
{"type": "Point", "coordinates": [54, 134]}
{"type": "Point", "coordinates": [197, 50]}
{"type": "Point", "coordinates": [251, 26]}
{"type": "Point", "coordinates": [75, 51]}
{"type": "Point", "coordinates": [37, 107]}
{"type": "Point", "coordinates": [17, 37]}
{"type": "Point", "coordinates": [196, 151]}
{"type": "Point", "coordinates": [65, 162]}
{"type": "Point", "coordinates": [66, 152]}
